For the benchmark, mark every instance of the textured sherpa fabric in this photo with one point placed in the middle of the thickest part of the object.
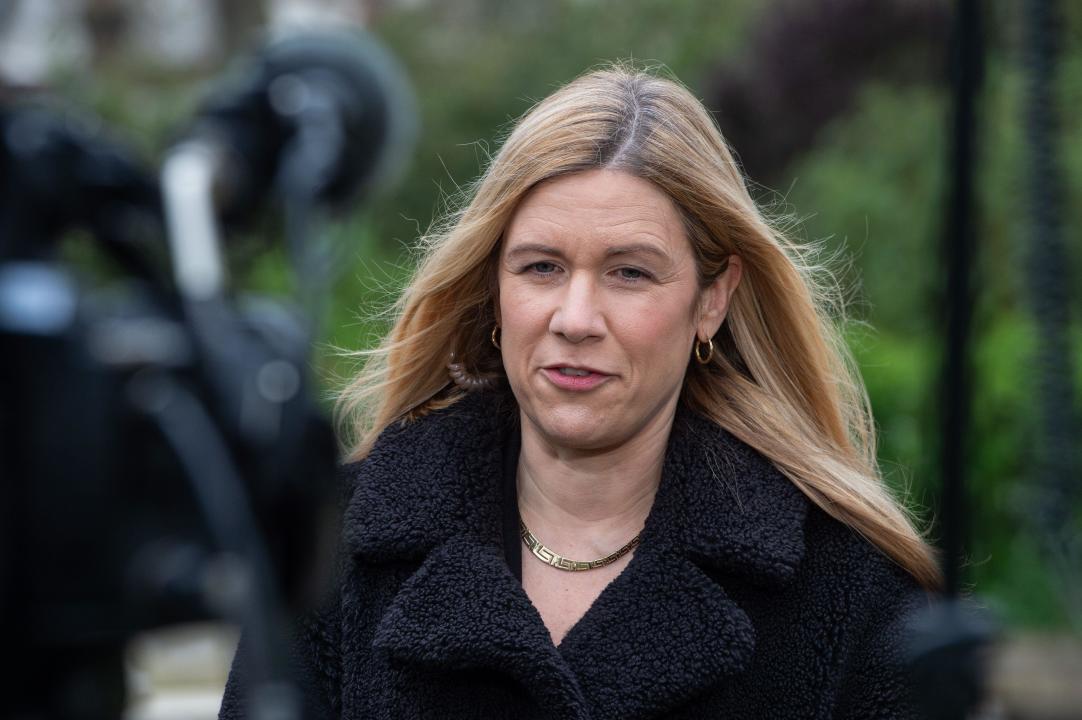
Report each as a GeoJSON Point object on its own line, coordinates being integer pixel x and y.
{"type": "Point", "coordinates": [743, 599]}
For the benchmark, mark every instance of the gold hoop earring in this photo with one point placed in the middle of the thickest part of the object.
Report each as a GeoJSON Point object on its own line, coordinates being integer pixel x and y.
{"type": "Point", "coordinates": [699, 351]}
{"type": "Point", "coordinates": [495, 342]}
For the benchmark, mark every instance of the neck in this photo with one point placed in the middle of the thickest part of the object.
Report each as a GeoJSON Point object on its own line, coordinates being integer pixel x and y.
{"type": "Point", "coordinates": [584, 502]}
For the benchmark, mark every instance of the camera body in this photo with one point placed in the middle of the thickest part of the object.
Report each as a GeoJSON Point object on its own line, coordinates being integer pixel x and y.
{"type": "Point", "coordinates": [162, 459]}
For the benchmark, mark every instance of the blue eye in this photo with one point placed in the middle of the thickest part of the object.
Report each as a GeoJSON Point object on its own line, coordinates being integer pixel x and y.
{"type": "Point", "coordinates": [543, 268]}
{"type": "Point", "coordinates": [631, 274]}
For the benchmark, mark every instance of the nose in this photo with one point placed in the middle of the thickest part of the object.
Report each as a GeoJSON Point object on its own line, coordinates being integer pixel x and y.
{"type": "Point", "coordinates": [578, 316]}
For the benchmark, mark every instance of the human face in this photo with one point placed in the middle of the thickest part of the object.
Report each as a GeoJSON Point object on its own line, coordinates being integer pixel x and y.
{"type": "Point", "coordinates": [599, 304]}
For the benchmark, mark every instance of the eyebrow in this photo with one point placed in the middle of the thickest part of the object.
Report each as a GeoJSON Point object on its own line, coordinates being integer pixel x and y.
{"type": "Point", "coordinates": [542, 249]}
{"type": "Point", "coordinates": [646, 248]}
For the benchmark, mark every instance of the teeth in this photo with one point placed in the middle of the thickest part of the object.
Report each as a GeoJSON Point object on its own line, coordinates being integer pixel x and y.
{"type": "Point", "coordinates": [574, 372]}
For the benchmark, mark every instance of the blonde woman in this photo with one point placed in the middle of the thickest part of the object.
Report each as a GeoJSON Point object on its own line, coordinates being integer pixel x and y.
{"type": "Point", "coordinates": [613, 460]}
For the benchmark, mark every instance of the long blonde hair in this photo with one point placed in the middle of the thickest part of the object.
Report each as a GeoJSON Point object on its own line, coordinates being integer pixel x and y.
{"type": "Point", "coordinates": [783, 380]}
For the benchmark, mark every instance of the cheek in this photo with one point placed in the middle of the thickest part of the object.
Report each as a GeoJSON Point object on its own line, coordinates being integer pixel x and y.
{"type": "Point", "coordinates": [658, 332]}
{"type": "Point", "coordinates": [523, 319]}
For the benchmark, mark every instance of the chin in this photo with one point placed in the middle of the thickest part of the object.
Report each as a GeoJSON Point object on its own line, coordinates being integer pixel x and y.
{"type": "Point", "coordinates": [574, 428]}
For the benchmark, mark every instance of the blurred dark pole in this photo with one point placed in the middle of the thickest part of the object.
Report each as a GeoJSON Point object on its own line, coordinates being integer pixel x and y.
{"type": "Point", "coordinates": [967, 54]}
{"type": "Point", "coordinates": [1050, 295]}
{"type": "Point", "coordinates": [948, 640]}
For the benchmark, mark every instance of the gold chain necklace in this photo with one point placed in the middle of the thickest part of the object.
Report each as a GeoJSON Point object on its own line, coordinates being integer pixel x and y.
{"type": "Point", "coordinates": [559, 562]}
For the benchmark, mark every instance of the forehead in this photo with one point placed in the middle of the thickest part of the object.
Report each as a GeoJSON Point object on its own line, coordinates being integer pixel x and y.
{"type": "Point", "coordinates": [598, 205]}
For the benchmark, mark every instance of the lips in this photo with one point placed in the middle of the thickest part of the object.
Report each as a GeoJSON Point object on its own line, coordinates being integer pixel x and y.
{"type": "Point", "coordinates": [575, 378]}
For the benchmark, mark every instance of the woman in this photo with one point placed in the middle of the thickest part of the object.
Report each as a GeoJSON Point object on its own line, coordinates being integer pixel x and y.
{"type": "Point", "coordinates": [610, 359]}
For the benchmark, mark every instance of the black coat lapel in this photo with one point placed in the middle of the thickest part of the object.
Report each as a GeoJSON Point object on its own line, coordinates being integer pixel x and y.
{"type": "Point", "coordinates": [429, 480]}
{"type": "Point", "coordinates": [726, 506]}
{"type": "Point", "coordinates": [662, 632]}
{"type": "Point", "coordinates": [465, 610]}
{"type": "Point", "coordinates": [431, 491]}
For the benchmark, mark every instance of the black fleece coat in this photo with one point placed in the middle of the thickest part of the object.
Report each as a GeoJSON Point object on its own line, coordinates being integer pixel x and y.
{"type": "Point", "coordinates": [743, 600]}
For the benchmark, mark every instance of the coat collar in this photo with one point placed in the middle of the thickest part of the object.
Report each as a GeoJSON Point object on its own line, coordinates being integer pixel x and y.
{"type": "Point", "coordinates": [662, 631]}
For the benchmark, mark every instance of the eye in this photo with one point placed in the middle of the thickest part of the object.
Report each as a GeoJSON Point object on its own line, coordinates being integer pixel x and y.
{"type": "Point", "coordinates": [631, 274]}
{"type": "Point", "coordinates": [542, 268]}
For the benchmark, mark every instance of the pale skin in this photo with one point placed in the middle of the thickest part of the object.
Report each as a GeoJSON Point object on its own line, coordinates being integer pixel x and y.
{"type": "Point", "coordinates": [596, 276]}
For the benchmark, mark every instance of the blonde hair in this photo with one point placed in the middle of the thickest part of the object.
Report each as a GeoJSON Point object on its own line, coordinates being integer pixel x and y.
{"type": "Point", "coordinates": [782, 381]}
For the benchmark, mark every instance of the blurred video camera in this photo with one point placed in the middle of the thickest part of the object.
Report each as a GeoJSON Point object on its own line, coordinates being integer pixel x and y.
{"type": "Point", "coordinates": [161, 456]}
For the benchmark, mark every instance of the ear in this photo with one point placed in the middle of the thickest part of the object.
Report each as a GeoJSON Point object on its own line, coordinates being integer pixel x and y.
{"type": "Point", "coordinates": [715, 298]}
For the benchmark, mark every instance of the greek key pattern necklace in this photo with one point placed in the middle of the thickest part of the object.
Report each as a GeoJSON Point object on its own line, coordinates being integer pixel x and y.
{"type": "Point", "coordinates": [559, 562]}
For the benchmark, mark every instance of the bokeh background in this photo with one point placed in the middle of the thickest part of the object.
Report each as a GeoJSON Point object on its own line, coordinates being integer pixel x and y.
{"type": "Point", "coordinates": [838, 110]}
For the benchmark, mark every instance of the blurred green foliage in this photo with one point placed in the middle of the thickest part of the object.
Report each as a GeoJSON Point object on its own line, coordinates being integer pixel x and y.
{"type": "Point", "coordinates": [870, 190]}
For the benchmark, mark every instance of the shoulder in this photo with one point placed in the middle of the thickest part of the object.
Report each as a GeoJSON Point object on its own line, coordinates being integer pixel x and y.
{"type": "Point", "coordinates": [423, 451]}
{"type": "Point", "coordinates": [471, 422]}
{"type": "Point", "coordinates": [837, 631]}
{"type": "Point", "coordinates": [839, 560]}
{"type": "Point", "coordinates": [427, 479]}
{"type": "Point", "coordinates": [866, 603]}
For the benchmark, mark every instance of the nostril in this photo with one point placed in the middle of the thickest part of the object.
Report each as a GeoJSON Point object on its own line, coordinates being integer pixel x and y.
{"type": "Point", "coordinates": [576, 328]}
